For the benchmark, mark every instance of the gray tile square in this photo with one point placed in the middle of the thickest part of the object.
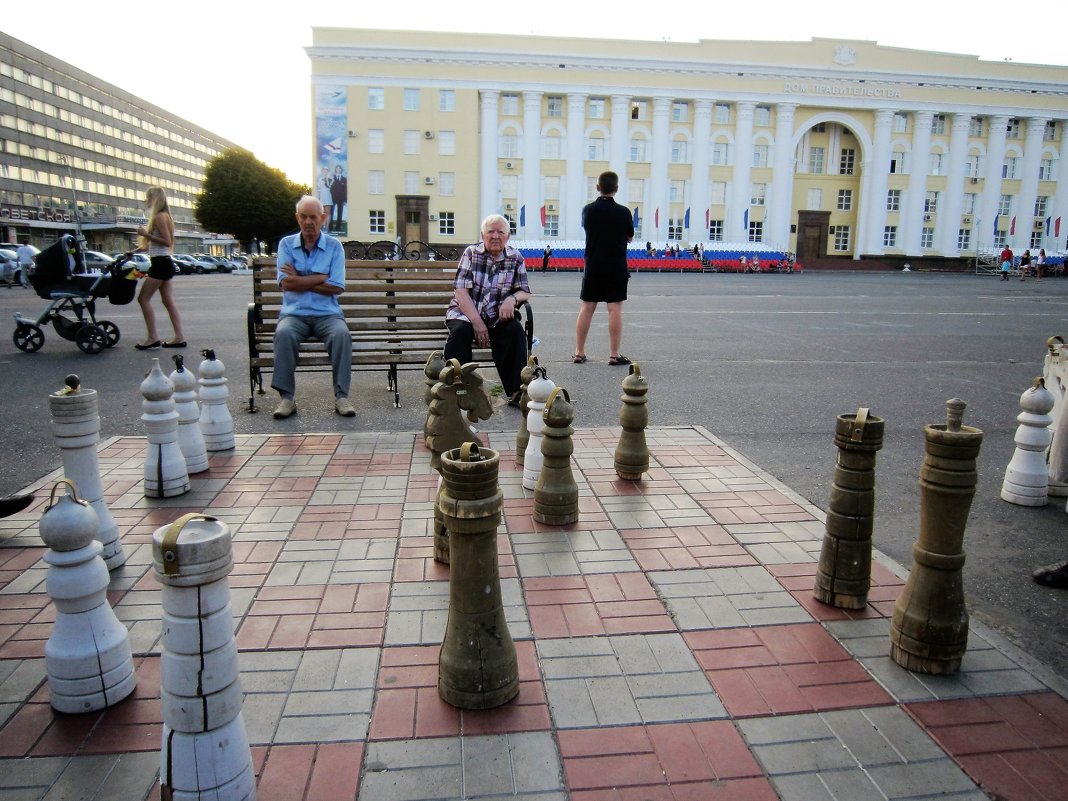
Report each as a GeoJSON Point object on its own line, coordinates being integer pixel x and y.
{"type": "Point", "coordinates": [726, 597]}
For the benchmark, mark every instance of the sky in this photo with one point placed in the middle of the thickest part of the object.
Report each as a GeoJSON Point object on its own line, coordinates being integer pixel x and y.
{"type": "Point", "coordinates": [239, 69]}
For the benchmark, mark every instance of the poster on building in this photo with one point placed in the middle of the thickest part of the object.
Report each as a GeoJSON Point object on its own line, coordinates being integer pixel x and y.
{"type": "Point", "coordinates": [332, 156]}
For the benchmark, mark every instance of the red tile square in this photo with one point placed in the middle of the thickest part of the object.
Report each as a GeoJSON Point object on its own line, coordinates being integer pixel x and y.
{"type": "Point", "coordinates": [583, 606]}
{"type": "Point", "coordinates": [323, 772]}
{"type": "Point", "coordinates": [315, 616]}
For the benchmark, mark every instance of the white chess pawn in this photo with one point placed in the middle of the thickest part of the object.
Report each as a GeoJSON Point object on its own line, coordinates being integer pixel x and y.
{"type": "Point", "coordinates": [165, 473]}
{"type": "Point", "coordinates": [216, 423]}
{"type": "Point", "coordinates": [538, 391]}
{"type": "Point", "coordinates": [87, 657]}
{"type": "Point", "coordinates": [190, 439]}
{"type": "Point", "coordinates": [1027, 476]}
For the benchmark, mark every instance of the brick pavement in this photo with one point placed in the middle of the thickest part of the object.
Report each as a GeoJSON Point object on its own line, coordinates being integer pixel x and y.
{"type": "Point", "coordinates": [669, 645]}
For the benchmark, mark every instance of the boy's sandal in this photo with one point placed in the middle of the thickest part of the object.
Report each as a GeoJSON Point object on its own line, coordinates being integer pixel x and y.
{"type": "Point", "coordinates": [579, 359]}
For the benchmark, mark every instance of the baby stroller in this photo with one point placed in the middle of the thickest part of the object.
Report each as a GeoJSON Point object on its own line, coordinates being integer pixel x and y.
{"type": "Point", "coordinates": [60, 278]}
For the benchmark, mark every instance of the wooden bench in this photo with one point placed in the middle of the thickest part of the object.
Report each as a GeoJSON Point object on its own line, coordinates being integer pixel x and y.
{"type": "Point", "coordinates": [395, 311]}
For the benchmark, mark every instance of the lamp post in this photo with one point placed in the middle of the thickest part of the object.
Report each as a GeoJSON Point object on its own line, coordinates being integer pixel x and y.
{"type": "Point", "coordinates": [74, 193]}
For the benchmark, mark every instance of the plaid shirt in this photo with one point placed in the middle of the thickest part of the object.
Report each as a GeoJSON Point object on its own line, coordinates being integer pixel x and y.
{"type": "Point", "coordinates": [488, 282]}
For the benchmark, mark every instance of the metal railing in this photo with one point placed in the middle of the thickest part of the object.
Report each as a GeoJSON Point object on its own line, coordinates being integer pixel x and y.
{"type": "Point", "coordinates": [386, 250]}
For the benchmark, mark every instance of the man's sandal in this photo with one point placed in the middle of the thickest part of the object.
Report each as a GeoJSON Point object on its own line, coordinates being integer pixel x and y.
{"type": "Point", "coordinates": [579, 358]}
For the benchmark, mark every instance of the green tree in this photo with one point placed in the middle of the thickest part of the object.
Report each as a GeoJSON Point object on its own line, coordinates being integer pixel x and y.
{"type": "Point", "coordinates": [245, 198]}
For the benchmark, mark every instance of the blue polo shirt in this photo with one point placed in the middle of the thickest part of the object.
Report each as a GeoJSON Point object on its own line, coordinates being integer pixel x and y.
{"type": "Point", "coordinates": [328, 258]}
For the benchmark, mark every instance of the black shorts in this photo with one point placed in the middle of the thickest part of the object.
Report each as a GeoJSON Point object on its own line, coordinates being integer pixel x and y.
{"type": "Point", "coordinates": [162, 268]}
{"type": "Point", "coordinates": [599, 287]}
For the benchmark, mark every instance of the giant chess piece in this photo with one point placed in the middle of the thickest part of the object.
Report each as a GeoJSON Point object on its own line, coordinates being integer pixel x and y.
{"type": "Point", "coordinates": [556, 494]}
{"type": "Point", "coordinates": [522, 436]}
{"type": "Point", "coordinates": [632, 452]}
{"type": "Point", "coordinates": [844, 574]}
{"type": "Point", "coordinates": [76, 428]}
{"type": "Point", "coordinates": [1027, 476]}
{"type": "Point", "coordinates": [434, 365]}
{"type": "Point", "coordinates": [165, 473]}
{"type": "Point", "coordinates": [477, 665]}
{"type": "Point", "coordinates": [87, 657]}
{"type": "Point", "coordinates": [216, 423]}
{"type": "Point", "coordinates": [539, 389]}
{"type": "Point", "coordinates": [929, 629]}
{"type": "Point", "coordinates": [205, 753]}
{"type": "Point", "coordinates": [190, 438]}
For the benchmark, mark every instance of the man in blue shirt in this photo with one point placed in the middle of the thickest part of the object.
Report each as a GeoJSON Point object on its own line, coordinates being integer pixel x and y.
{"type": "Point", "coordinates": [311, 272]}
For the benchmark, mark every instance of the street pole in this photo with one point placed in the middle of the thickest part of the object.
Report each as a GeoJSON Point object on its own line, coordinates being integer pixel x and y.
{"type": "Point", "coordinates": [77, 217]}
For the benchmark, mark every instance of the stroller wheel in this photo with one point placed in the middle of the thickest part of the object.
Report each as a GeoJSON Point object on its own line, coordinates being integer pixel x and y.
{"type": "Point", "coordinates": [28, 338]}
{"type": "Point", "coordinates": [91, 339]}
{"type": "Point", "coordinates": [111, 331]}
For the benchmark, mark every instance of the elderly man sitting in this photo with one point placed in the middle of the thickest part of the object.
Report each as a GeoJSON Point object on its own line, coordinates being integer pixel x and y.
{"type": "Point", "coordinates": [490, 284]}
{"type": "Point", "coordinates": [311, 272]}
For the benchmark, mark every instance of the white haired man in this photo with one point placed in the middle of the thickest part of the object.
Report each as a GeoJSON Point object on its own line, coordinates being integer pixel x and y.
{"type": "Point", "coordinates": [490, 285]}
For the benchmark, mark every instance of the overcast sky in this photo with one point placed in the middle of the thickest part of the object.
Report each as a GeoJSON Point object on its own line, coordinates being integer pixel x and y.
{"type": "Point", "coordinates": [240, 70]}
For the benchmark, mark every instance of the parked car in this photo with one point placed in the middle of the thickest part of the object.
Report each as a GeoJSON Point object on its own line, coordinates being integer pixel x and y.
{"type": "Point", "coordinates": [139, 260]}
{"type": "Point", "coordinates": [185, 264]}
{"type": "Point", "coordinates": [9, 265]}
{"type": "Point", "coordinates": [96, 262]}
{"type": "Point", "coordinates": [205, 264]}
{"type": "Point", "coordinates": [221, 264]}
{"type": "Point", "coordinates": [239, 262]}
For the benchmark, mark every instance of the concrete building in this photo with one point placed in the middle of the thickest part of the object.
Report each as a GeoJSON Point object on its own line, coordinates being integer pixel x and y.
{"type": "Point", "coordinates": [79, 152]}
{"type": "Point", "coordinates": [825, 147]}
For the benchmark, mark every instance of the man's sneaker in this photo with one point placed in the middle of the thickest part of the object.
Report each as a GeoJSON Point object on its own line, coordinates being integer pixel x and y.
{"type": "Point", "coordinates": [344, 407]}
{"type": "Point", "coordinates": [287, 408]}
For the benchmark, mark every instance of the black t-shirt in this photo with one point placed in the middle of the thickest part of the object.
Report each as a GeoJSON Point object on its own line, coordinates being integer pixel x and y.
{"type": "Point", "coordinates": [609, 228]}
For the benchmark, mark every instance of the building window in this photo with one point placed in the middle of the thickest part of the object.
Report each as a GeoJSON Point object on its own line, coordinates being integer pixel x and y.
{"type": "Point", "coordinates": [973, 166]}
{"type": "Point", "coordinates": [975, 127]}
{"type": "Point", "coordinates": [938, 124]}
{"type": "Point", "coordinates": [510, 186]}
{"type": "Point", "coordinates": [674, 230]}
{"type": "Point", "coordinates": [899, 163]}
{"type": "Point", "coordinates": [927, 238]}
{"type": "Point", "coordinates": [677, 192]}
{"type": "Point", "coordinates": [411, 182]}
{"type": "Point", "coordinates": [411, 142]}
{"type": "Point", "coordinates": [721, 153]}
{"type": "Point", "coordinates": [595, 110]}
{"type": "Point", "coordinates": [639, 110]}
{"type": "Point", "coordinates": [554, 106]}
{"type": "Point", "coordinates": [756, 231]}
{"type": "Point", "coordinates": [376, 222]}
{"type": "Point", "coordinates": [846, 161]}
{"type": "Point", "coordinates": [815, 198]}
{"type": "Point", "coordinates": [845, 199]}
{"type": "Point", "coordinates": [719, 193]}
{"type": "Point", "coordinates": [1040, 205]}
{"type": "Point", "coordinates": [841, 238]}
{"type": "Point", "coordinates": [901, 123]}
{"type": "Point", "coordinates": [1005, 204]}
{"type": "Point", "coordinates": [637, 149]}
{"type": "Point", "coordinates": [893, 200]}
{"type": "Point", "coordinates": [552, 225]}
{"type": "Point", "coordinates": [595, 149]}
{"type": "Point", "coordinates": [815, 160]}
{"type": "Point", "coordinates": [723, 114]}
{"type": "Point", "coordinates": [680, 151]}
{"type": "Point", "coordinates": [510, 105]}
{"type": "Point", "coordinates": [411, 99]}
{"type": "Point", "coordinates": [762, 116]}
{"type": "Point", "coordinates": [552, 146]}
{"type": "Point", "coordinates": [376, 140]}
{"type": "Point", "coordinates": [1008, 168]}
{"type": "Point", "coordinates": [930, 203]}
{"type": "Point", "coordinates": [376, 98]}
{"type": "Point", "coordinates": [680, 111]}
{"type": "Point", "coordinates": [1045, 170]}
{"type": "Point", "coordinates": [591, 188]}
{"type": "Point", "coordinates": [551, 187]}
{"type": "Point", "coordinates": [447, 223]}
{"type": "Point", "coordinates": [890, 236]}
{"type": "Point", "coordinates": [937, 164]}
{"type": "Point", "coordinates": [715, 230]}
{"type": "Point", "coordinates": [446, 143]}
{"type": "Point", "coordinates": [1012, 131]}
{"type": "Point", "coordinates": [964, 238]}
{"type": "Point", "coordinates": [509, 146]}
{"type": "Point", "coordinates": [1036, 239]}
{"type": "Point", "coordinates": [760, 155]}
{"type": "Point", "coordinates": [376, 182]}
{"type": "Point", "coordinates": [968, 206]}
{"type": "Point", "coordinates": [513, 226]}
{"type": "Point", "coordinates": [446, 184]}
{"type": "Point", "coordinates": [446, 100]}
{"type": "Point", "coordinates": [758, 195]}
{"type": "Point", "coordinates": [1050, 134]}
{"type": "Point", "coordinates": [820, 127]}
{"type": "Point", "coordinates": [635, 190]}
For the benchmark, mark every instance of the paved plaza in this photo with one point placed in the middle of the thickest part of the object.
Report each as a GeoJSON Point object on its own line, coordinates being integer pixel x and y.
{"type": "Point", "coordinates": [669, 645]}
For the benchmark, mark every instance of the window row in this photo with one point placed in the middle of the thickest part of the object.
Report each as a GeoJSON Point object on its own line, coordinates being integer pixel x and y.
{"type": "Point", "coordinates": [413, 99]}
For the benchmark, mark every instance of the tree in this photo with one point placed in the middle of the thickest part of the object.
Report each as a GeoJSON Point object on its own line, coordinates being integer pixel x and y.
{"type": "Point", "coordinates": [245, 198]}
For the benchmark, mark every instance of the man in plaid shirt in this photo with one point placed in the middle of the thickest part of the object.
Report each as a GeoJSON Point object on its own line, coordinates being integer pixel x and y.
{"type": "Point", "coordinates": [490, 285]}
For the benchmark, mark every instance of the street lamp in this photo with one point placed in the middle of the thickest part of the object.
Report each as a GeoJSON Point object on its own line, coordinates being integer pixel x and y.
{"type": "Point", "coordinates": [77, 217]}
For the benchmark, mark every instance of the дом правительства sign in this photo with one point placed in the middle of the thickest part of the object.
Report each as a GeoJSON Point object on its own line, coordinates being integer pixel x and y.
{"type": "Point", "coordinates": [839, 89]}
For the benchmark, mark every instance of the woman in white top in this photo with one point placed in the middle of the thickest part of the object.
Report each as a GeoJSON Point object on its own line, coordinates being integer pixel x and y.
{"type": "Point", "coordinates": [158, 239]}
{"type": "Point", "coordinates": [322, 191]}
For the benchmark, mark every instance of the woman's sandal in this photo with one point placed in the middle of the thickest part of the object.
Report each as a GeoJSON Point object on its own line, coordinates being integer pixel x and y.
{"type": "Point", "coordinates": [579, 358]}
{"type": "Point", "coordinates": [618, 360]}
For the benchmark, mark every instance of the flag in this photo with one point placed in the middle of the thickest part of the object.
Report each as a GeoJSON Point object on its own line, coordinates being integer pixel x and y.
{"type": "Point", "coordinates": [1012, 226]}
{"type": "Point", "coordinates": [707, 221]}
{"type": "Point", "coordinates": [1049, 222]}
{"type": "Point", "coordinates": [522, 216]}
{"type": "Point", "coordinates": [686, 219]}
{"type": "Point", "coordinates": [745, 221]}
{"type": "Point", "coordinates": [1057, 227]}
{"type": "Point", "coordinates": [656, 219]}
{"type": "Point", "coordinates": [996, 217]}
{"type": "Point", "coordinates": [543, 216]}
{"type": "Point", "coordinates": [637, 219]}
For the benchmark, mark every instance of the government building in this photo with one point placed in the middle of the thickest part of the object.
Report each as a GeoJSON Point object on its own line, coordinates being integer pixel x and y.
{"type": "Point", "coordinates": [79, 153]}
{"type": "Point", "coordinates": [822, 148]}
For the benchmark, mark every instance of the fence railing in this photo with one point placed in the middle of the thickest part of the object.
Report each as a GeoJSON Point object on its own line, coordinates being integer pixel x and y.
{"type": "Point", "coordinates": [415, 250]}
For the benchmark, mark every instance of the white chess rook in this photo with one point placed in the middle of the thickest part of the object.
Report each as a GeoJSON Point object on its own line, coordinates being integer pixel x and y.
{"type": "Point", "coordinates": [216, 423]}
{"type": "Point", "coordinates": [1027, 476]}
{"type": "Point", "coordinates": [165, 472]}
{"type": "Point", "coordinates": [205, 752]}
{"type": "Point", "coordinates": [76, 428]}
{"type": "Point", "coordinates": [87, 657]}
{"type": "Point", "coordinates": [190, 438]}
{"type": "Point", "coordinates": [538, 390]}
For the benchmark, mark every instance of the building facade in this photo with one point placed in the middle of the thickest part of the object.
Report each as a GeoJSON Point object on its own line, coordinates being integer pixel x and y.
{"type": "Point", "coordinates": [825, 147]}
{"type": "Point", "coordinates": [78, 155]}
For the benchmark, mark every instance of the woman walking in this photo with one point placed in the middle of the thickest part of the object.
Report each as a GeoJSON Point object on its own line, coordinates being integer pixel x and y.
{"type": "Point", "coordinates": [158, 239]}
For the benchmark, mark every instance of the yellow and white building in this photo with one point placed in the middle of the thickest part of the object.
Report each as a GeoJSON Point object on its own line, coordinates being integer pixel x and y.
{"type": "Point", "coordinates": [825, 147]}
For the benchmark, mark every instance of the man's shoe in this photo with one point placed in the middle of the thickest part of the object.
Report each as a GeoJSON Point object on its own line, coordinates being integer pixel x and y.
{"type": "Point", "coordinates": [344, 407]}
{"type": "Point", "coordinates": [287, 408]}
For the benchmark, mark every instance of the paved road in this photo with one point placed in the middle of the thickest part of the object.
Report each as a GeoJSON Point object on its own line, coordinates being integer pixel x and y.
{"type": "Point", "coordinates": [764, 362]}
